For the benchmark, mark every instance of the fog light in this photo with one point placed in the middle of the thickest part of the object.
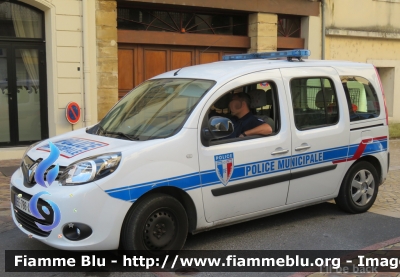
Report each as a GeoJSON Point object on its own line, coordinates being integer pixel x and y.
{"type": "Point", "coordinates": [76, 231]}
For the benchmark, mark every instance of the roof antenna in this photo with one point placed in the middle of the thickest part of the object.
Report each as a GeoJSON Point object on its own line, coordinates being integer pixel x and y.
{"type": "Point", "coordinates": [176, 73]}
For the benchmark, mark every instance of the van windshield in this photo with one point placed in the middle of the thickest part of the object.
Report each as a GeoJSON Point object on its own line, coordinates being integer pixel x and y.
{"type": "Point", "coordinates": [155, 109]}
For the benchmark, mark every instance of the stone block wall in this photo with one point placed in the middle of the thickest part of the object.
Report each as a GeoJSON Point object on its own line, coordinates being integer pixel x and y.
{"type": "Point", "coordinates": [263, 31]}
{"type": "Point", "coordinates": [107, 56]}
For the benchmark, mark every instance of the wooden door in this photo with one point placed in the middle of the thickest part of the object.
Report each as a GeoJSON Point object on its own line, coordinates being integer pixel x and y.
{"type": "Point", "coordinates": [137, 63]}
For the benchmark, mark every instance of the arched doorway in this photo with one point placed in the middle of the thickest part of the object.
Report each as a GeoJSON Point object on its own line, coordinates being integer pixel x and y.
{"type": "Point", "coordinates": [23, 91]}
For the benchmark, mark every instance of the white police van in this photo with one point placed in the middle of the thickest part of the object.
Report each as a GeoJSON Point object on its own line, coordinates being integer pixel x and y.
{"type": "Point", "coordinates": [157, 167]}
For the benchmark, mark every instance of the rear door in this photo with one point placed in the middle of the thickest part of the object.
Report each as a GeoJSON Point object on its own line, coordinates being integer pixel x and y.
{"type": "Point", "coordinates": [320, 132]}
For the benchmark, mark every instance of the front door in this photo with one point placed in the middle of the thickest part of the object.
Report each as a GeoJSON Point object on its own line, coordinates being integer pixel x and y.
{"type": "Point", "coordinates": [23, 103]}
{"type": "Point", "coordinates": [247, 175]}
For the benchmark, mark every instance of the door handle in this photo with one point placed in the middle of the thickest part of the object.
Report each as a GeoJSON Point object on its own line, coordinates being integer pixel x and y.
{"type": "Point", "coordinates": [279, 151]}
{"type": "Point", "coordinates": [304, 146]}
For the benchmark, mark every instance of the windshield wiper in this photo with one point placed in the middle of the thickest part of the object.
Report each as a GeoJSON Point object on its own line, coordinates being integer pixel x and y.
{"type": "Point", "coordinates": [104, 132]}
{"type": "Point", "coordinates": [99, 128]}
{"type": "Point", "coordinates": [121, 135]}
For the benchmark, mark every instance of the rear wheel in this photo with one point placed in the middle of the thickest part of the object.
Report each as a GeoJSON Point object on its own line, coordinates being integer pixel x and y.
{"type": "Point", "coordinates": [158, 225]}
{"type": "Point", "coordinates": [359, 188]}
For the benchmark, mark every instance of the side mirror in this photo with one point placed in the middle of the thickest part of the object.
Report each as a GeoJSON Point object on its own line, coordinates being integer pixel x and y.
{"type": "Point", "coordinates": [218, 127]}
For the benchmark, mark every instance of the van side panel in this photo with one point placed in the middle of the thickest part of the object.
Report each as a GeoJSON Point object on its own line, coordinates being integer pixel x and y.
{"type": "Point", "coordinates": [369, 136]}
{"type": "Point", "coordinates": [370, 141]}
{"type": "Point", "coordinates": [173, 163]}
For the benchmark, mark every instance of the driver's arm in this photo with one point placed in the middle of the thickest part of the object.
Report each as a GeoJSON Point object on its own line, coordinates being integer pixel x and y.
{"type": "Point", "coordinates": [263, 129]}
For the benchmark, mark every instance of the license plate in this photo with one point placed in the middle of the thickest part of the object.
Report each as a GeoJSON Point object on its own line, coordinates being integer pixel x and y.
{"type": "Point", "coordinates": [22, 204]}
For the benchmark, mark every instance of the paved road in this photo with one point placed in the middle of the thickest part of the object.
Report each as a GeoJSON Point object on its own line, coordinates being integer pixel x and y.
{"type": "Point", "coordinates": [319, 227]}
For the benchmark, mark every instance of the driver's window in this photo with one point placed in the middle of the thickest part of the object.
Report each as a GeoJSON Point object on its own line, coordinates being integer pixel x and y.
{"type": "Point", "coordinates": [261, 99]}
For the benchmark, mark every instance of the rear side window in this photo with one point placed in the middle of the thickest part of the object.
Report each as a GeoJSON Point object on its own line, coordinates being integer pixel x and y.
{"type": "Point", "coordinates": [314, 103]}
{"type": "Point", "coordinates": [361, 97]}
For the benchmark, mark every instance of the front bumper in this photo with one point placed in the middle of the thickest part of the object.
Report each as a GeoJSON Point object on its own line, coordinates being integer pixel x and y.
{"type": "Point", "coordinates": [85, 204]}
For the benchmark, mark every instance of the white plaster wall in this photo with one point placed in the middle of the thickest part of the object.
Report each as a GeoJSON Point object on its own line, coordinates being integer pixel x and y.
{"type": "Point", "coordinates": [69, 60]}
{"type": "Point", "coordinates": [363, 14]}
{"type": "Point", "coordinates": [387, 75]}
{"type": "Point", "coordinates": [393, 97]}
{"type": "Point", "coordinates": [311, 31]}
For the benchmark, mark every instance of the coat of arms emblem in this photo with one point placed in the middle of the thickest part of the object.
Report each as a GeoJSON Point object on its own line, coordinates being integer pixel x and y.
{"type": "Point", "coordinates": [224, 167]}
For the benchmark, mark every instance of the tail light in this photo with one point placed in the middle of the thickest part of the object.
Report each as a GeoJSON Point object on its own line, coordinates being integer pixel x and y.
{"type": "Point", "coordinates": [383, 94]}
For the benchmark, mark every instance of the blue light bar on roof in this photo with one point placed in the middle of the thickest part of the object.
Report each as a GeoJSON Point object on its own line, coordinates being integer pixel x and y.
{"type": "Point", "coordinates": [299, 53]}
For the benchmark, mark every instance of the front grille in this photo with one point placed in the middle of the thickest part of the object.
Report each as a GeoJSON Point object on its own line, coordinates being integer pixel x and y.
{"type": "Point", "coordinates": [28, 221]}
{"type": "Point", "coordinates": [28, 162]}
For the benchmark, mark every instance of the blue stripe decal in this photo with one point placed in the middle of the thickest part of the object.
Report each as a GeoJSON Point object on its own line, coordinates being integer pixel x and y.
{"type": "Point", "coordinates": [154, 182]}
{"type": "Point", "coordinates": [249, 170]}
{"type": "Point", "coordinates": [123, 195]}
{"type": "Point", "coordinates": [374, 146]}
{"type": "Point", "coordinates": [186, 182]}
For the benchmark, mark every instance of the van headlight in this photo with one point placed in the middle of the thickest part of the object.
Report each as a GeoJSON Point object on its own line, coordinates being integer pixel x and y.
{"type": "Point", "coordinates": [90, 169]}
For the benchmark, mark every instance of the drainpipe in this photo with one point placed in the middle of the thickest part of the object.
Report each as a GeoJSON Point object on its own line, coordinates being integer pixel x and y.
{"type": "Point", "coordinates": [86, 66]}
{"type": "Point", "coordinates": [323, 29]}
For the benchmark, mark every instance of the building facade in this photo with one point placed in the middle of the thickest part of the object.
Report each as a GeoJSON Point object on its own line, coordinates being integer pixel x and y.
{"type": "Point", "coordinates": [93, 52]}
{"type": "Point", "coordinates": [371, 35]}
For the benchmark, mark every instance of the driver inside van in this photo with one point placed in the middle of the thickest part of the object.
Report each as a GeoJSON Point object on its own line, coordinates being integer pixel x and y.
{"type": "Point", "coordinates": [244, 122]}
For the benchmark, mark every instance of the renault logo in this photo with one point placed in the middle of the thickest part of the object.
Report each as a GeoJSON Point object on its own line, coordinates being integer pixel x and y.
{"type": "Point", "coordinates": [32, 171]}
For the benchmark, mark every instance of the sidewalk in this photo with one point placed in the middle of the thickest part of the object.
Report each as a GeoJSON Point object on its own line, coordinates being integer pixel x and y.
{"type": "Point", "coordinates": [387, 203]}
{"type": "Point", "coordinates": [7, 167]}
{"type": "Point", "coordinates": [388, 200]}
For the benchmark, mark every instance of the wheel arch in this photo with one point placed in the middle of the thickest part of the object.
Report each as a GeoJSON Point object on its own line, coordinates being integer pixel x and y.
{"type": "Point", "coordinates": [345, 199]}
{"type": "Point", "coordinates": [182, 196]}
{"type": "Point", "coordinates": [375, 163]}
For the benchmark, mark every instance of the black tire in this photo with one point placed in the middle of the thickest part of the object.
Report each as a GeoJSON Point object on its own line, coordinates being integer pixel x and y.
{"type": "Point", "coordinates": [157, 225]}
{"type": "Point", "coordinates": [359, 188]}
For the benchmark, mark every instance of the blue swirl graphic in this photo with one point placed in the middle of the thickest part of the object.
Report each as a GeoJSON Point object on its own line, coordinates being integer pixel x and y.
{"type": "Point", "coordinates": [45, 164]}
{"type": "Point", "coordinates": [33, 204]}
{"type": "Point", "coordinates": [52, 174]}
{"type": "Point", "coordinates": [39, 178]}
{"type": "Point", "coordinates": [45, 210]}
{"type": "Point", "coordinates": [57, 218]}
{"type": "Point", "coordinates": [35, 212]}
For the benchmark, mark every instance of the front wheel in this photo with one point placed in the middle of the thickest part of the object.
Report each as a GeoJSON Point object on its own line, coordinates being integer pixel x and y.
{"type": "Point", "coordinates": [359, 188]}
{"type": "Point", "coordinates": [158, 225]}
